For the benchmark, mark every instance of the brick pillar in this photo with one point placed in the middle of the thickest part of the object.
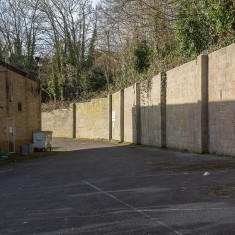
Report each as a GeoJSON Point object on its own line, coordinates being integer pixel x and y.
{"type": "Point", "coordinates": [203, 60]}
{"type": "Point", "coordinates": [163, 85]}
{"type": "Point", "coordinates": [74, 121]}
{"type": "Point", "coordinates": [137, 111]}
{"type": "Point", "coordinates": [110, 116]}
{"type": "Point", "coordinates": [122, 115]}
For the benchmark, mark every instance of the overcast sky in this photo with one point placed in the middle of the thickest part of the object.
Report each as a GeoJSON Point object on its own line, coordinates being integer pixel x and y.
{"type": "Point", "coordinates": [95, 2]}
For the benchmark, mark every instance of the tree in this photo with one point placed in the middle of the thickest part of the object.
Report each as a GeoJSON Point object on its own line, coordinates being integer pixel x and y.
{"type": "Point", "coordinates": [204, 24]}
{"type": "Point", "coordinates": [141, 56]}
{"type": "Point", "coordinates": [70, 24]}
{"type": "Point", "coordinates": [141, 36]}
{"type": "Point", "coordinates": [83, 49]}
{"type": "Point", "coordinates": [19, 31]}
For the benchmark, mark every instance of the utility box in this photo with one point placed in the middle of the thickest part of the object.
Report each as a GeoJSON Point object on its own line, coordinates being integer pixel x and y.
{"type": "Point", "coordinates": [42, 140]}
{"type": "Point", "coordinates": [24, 150]}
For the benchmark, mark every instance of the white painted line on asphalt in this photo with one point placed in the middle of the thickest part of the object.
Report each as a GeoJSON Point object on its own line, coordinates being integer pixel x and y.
{"type": "Point", "coordinates": [135, 176]}
{"type": "Point", "coordinates": [131, 207]}
{"type": "Point", "coordinates": [178, 209]}
{"type": "Point", "coordinates": [1, 172]}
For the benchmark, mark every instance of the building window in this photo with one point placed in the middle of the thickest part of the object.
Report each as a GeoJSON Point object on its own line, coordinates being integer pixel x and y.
{"type": "Point", "coordinates": [19, 106]}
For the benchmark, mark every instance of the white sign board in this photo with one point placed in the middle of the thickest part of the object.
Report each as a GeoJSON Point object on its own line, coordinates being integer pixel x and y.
{"type": "Point", "coordinates": [113, 116]}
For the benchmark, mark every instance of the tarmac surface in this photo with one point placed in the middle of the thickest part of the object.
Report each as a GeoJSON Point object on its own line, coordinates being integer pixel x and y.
{"type": "Point", "coordinates": [97, 187]}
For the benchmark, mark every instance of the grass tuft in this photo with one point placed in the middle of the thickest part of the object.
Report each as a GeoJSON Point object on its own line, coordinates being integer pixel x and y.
{"type": "Point", "coordinates": [225, 192]}
{"type": "Point", "coordinates": [207, 166]}
{"type": "Point", "coordinates": [16, 157]}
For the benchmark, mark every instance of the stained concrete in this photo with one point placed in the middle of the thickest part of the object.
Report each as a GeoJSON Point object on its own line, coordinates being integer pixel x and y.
{"type": "Point", "coordinates": [101, 188]}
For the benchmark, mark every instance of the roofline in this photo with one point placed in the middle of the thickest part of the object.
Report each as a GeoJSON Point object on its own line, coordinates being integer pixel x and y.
{"type": "Point", "coordinates": [14, 69]}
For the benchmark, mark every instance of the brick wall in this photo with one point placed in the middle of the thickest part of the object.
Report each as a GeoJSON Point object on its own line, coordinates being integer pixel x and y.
{"type": "Point", "coordinates": [19, 100]}
{"type": "Point", "coordinates": [3, 110]}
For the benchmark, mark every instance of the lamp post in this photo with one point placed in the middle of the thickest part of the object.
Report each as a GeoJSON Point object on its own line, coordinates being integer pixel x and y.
{"type": "Point", "coordinates": [37, 59]}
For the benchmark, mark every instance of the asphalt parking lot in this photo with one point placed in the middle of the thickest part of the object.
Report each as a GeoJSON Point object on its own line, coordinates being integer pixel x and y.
{"type": "Point", "coordinates": [97, 187]}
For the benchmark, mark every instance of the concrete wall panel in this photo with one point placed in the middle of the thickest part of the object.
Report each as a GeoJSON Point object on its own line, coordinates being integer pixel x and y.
{"type": "Point", "coordinates": [117, 116]}
{"type": "Point", "coordinates": [222, 101]}
{"type": "Point", "coordinates": [60, 121]}
{"type": "Point", "coordinates": [184, 107]}
{"type": "Point", "coordinates": [131, 114]}
{"type": "Point", "coordinates": [93, 119]}
{"type": "Point", "coordinates": [150, 112]}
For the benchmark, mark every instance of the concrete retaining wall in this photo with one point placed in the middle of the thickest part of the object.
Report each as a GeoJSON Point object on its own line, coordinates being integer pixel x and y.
{"type": "Point", "coordinates": [131, 114]}
{"type": "Point", "coordinates": [150, 112]}
{"type": "Point", "coordinates": [222, 101]}
{"type": "Point", "coordinates": [118, 116]}
{"type": "Point", "coordinates": [92, 119]}
{"type": "Point", "coordinates": [191, 107]}
{"type": "Point", "coordinates": [60, 121]}
{"type": "Point", "coordinates": [184, 105]}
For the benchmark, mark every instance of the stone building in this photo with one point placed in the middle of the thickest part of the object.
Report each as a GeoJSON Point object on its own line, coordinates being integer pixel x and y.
{"type": "Point", "coordinates": [20, 108]}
